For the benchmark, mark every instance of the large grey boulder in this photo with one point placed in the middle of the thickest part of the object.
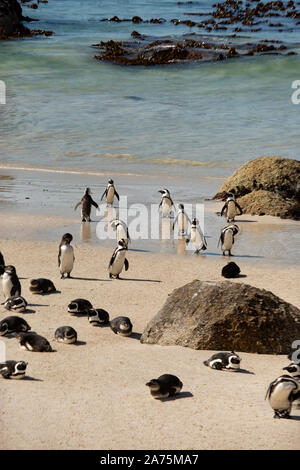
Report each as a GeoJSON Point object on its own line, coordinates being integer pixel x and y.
{"type": "Point", "coordinates": [225, 316]}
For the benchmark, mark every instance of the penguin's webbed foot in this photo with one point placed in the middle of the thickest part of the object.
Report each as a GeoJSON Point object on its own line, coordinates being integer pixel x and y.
{"type": "Point", "coordinates": [62, 276]}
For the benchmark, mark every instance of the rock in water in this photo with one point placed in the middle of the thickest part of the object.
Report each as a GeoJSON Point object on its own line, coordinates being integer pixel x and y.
{"type": "Point", "coordinates": [11, 19]}
{"type": "Point", "coordinates": [266, 186]}
{"type": "Point", "coordinates": [225, 316]}
{"type": "Point", "coordinates": [231, 270]}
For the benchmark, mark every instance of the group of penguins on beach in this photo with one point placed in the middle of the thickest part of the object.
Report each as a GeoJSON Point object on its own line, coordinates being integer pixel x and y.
{"type": "Point", "coordinates": [282, 393]}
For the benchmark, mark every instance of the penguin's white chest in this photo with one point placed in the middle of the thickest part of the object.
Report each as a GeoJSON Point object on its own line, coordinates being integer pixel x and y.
{"type": "Point", "coordinates": [121, 233]}
{"type": "Point", "coordinates": [7, 285]}
{"type": "Point", "coordinates": [66, 259]}
{"type": "Point", "coordinates": [279, 397]}
{"type": "Point", "coordinates": [182, 223]}
{"type": "Point", "coordinates": [110, 195]}
{"type": "Point", "coordinates": [196, 238]}
{"type": "Point", "coordinates": [118, 263]}
{"type": "Point", "coordinates": [228, 240]}
{"type": "Point", "coordinates": [231, 210]}
{"type": "Point", "coordinates": [166, 207]}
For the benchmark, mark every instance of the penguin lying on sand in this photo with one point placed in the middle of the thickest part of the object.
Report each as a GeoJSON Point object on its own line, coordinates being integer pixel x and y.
{"type": "Point", "coordinates": [41, 286]}
{"type": "Point", "coordinates": [165, 386]}
{"type": "Point", "coordinates": [230, 270]}
{"type": "Point", "coordinates": [10, 282]}
{"type": "Point", "coordinates": [121, 326]}
{"type": "Point", "coordinates": [98, 317]}
{"type": "Point", "coordinates": [66, 256]}
{"type": "Point", "coordinates": [13, 325]}
{"type": "Point", "coordinates": [86, 206]}
{"type": "Point", "coordinates": [224, 360]}
{"type": "Point", "coordinates": [17, 304]}
{"type": "Point", "coordinates": [13, 369]}
{"type": "Point", "coordinates": [66, 334]}
{"type": "Point", "coordinates": [281, 393]}
{"type": "Point", "coordinates": [81, 306]}
{"type": "Point", "coordinates": [33, 342]}
{"type": "Point", "coordinates": [118, 260]}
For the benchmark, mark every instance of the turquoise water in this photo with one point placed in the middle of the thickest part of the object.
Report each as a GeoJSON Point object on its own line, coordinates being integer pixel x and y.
{"type": "Point", "coordinates": [66, 110]}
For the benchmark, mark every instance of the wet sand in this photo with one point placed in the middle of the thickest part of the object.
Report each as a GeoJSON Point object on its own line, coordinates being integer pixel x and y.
{"type": "Point", "coordinates": [93, 395]}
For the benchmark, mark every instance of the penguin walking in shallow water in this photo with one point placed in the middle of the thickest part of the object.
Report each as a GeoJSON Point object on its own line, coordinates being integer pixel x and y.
{"type": "Point", "coordinates": [118, 260]}
{"type": "Point", "coordinates": [166, 204]}
{"type": "Point", "coordinates": [121, 326]}
{"type": "Point", "coordinates": [231, 208]}
{"type": "Point", "coordinates": [33, 342]}
{"type": "Point", "coordinates": [281, 393]}
{"type": "Point", "coordinates": [41, 286]}
{"type": "Point", "coordinates": [197, 237]}
{"type": "Point", "coordinates": [13, 369]}
{"type": "Point", "coordinates": [227, 238]}
{"type": "Point", "coordinates": [86, 206]}
{"type": "Point", "coordinates": [10, 282]}
{"type": "Point", "coordinates": [66, 334]}
{"type": "Point", "coordinates": [13, 324]}
{"type": "Point", "coordinates": [16, 303]}
{"type": "Point", "coordinates": [165, 386]}
{"type": "Point", "coordinates": [224, 360]}
{"type": "Point", "coordinates": [110, 193]}
{"type": "Point", "coordinates": [2, 264]}
{"type": "Point", "coordinates": [66, 256]}
{"type": "Point", "coordinates": [121, 230]}
{"type": "Point", "coordinates": [182, 220]}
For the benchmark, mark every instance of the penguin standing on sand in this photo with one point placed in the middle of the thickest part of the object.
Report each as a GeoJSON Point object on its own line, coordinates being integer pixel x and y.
{"type": "Point", "coordinates": [33, 342]}
{"type": "Point", "coordinates": [121, 229]}
{"type": "Point", "coordinates": [66, 256]}
{"type": "Point", "coordinates": [13, 369]}
{"type": "Point", "coordinates": [227, 237]}
{"type": "Point", "coordinates": [230, 208]}
{"type": "Point", "coordinates": [10, 282]}
{"type": "Point", "coordinates": [166, 204]}
{"type": "Point", "coordinates": [2, 264]}
{"type": "Point", "coordinates": [281, 393]}
{"type": "Point", "coordinates": [197, 237]}
{"type": "Point", "coordinates": [165, 386]}
{"type": "Point", "coordinates": [182, 220]}
{"type": "Point", "coordinates": [224, 360]}
{"type": "Point", "coordinates": [294, 370]}
{"type": "Point", "coordinates": [121, 326]}
{"type": "Point", "coordinates": [86, 206]}
{"type": "Point", "coordinates": [110, 193]}
{"type": "Point", "coordinates": [118, 260]}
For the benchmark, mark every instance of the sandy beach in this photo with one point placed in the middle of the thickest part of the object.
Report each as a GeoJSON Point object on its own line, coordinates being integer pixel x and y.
{"type": "Point", "coordinates": [92, 395]}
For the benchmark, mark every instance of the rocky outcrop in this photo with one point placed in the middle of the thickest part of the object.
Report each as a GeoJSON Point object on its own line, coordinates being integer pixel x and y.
{"type": "Point", "coordinates": [225, 316]}
{"type": "Point", "coordinates": [266, 185]}
{"type": "Point", "coordinates": [11, 20]}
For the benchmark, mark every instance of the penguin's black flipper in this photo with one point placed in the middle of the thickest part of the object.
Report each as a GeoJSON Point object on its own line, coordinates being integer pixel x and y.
{"type": "Point", "coordinates": [117, 195]}
{"type": "Point", "coordinates": [5, 374]}
{"type": "Point", "coordinates": [77, 205]}
{"type": "Point", "coordinates": [126, 263]}
{"type": "Point", "coordinates": [224, 208]}
{"type": "Point", "coordinates": [104, 194]}
{"type": "Point", "coordinates": [239, 208]}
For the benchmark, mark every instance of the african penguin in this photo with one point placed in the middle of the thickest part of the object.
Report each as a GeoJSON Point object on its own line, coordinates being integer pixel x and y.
{"type": "Point", "coordinates": [86, 206]}
{"type": "Point", "coordinates": [33, 342]}
{"type": "Point", "coordinates": [41, 286]}
{"type": "Point", "coordinates": [118, 260]}
{"type": "Point", "coordinates": [66, 256]}
{"type": "Point", "coordinates": [2, 264]}
{"type": "Point", "coordinates": [224, 360]}
{"type": "Point", "coordinates": [13, 325]}
{"type": "Point", "coordinates": [227, 237]}
{"type": "Point", "coordinates": [81, 306]}
{"type": "Point", "coordinates": [98, 317]}
{"type": "Point", "coordinates": [66, 334]}
{"type": "Point", "coordinates": [230, 270]}
{"type": "Point", "coordinates": [16, 303]}
{"type": "Point", "coordinates": [110, 193]}
{"type": "Point", "coordinates": [121, 326]}
{"type": "Point", "coordinates": [13, 369]}
{"type": "Point", "coordinates": [121, 230]}
{"type": "Point", "coordinates": [230, 208]}
{"type": "Point", "coordinates": [281, 393]}
{"type": "Point", "coordinates": [10, 282]}
{"type": "Point", "coordinates": [197, 237]}
{"type": "Point", "coordinates": [294, 370]}
{"type": "Point", "coordinates": [182, 221]}
{"type": "Point", "coordinates": [165, 386]}
{"type": "Point", "coordinates": [166, 204]}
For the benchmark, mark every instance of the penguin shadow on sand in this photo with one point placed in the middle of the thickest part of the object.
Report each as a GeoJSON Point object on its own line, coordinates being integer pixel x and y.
{"type": "Point", "coordinates": [178, 396]}
{"type": "Point", "coordinates": [137, 280]}
{"type": "Point", "coordinates": [135, 335]}
{"type": "Point", "coordinates": [33, 379]}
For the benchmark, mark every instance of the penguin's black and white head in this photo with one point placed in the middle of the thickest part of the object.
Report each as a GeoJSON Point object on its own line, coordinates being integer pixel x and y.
{"type": "Point", "coordinates": [234, 361]}
{"type": "Point", "coordinates": [11, 270]}
{"type": "Point", "coordinates": [122, 244]}
{"type": "Point", "coordinates": [153, 384]}
{"type": "Point", "coordinates": [21, 366]}
{"type": "Point", "coordinates": [110, 181]}
{"type": "Point", "coordinates": [164, 192]}
{"type": "Point", "coordinates": [181, 207]}
{"type": "Point", "coordinates": [87, 191]}
{"type": "Point", "coordinates": [67, 238]}
{"type": "Point", "coordinates": [293, 369]}
{"type": "Point", "coordinates": [194, 222]}
{"type": "Point", "coordinates": [3, 328]}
